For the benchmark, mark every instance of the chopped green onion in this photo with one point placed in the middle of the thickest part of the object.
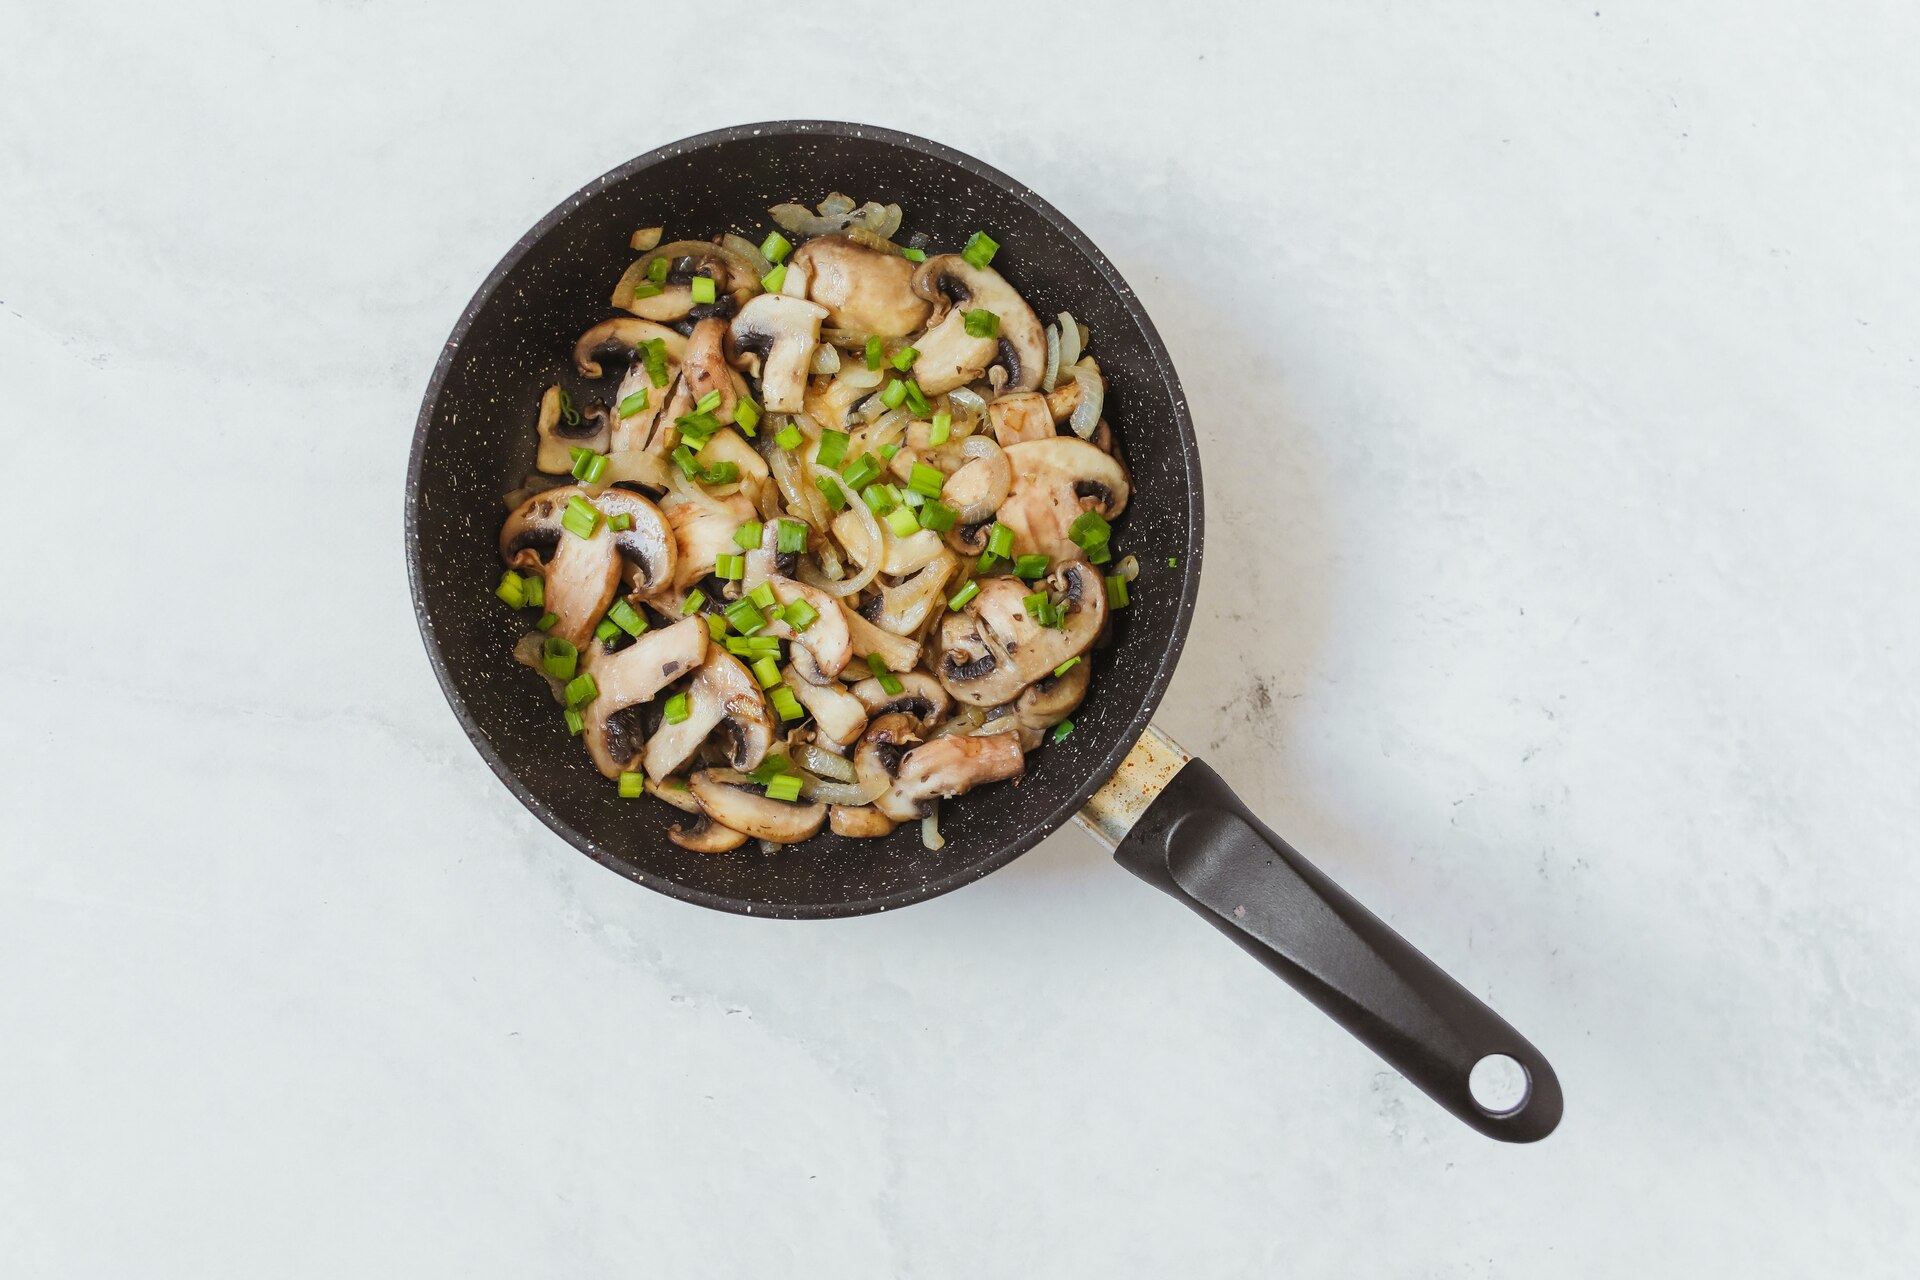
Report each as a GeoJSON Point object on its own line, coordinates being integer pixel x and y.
{"type": "Point", "coordinates": [716, 627]}
{"type": "Point", "coordinates": [605, 632]}
{"type": "Point", "coordinates": [926, 481]}
{"type": "Point", "coordinates": [627, 618]}
{"type": "Point", "coordinates": [942, 429]}
{"type": "Point", "coordinates": [986, 562]}
{"type": "Point", "coordinates": [763, 596]}
{"type": "Point", "coordinates": [876, 352]}
{"type": "Point", "coordinates": [981, 323]}
{"type": "Point", "coordinates": [913, 498]}
{"type": "Point", "coordinates": [547, 620]}
{"type": "Point", "coordinates": [937, 516]}
{"type": "Point", "coordinates": [903, 359]}
{"type": "Point", "coordinates": [691, 605]}
{"type": "Point", "coordinates": [1030, 567]}
{"type": "Point", "coordinates": [634, 403]}
{"type": "Point", "coordinates": [575, 721]}
{"type": "Point", "coordinates": [1116, 592]}
{"type": "Point", "coordinates": [786, 704]}
{"type": "Point", "coordinates": [861, 472]}
{"type": "Point", "coordinates": [917, 399]}
{"type": "Point", "coordinates": [767, 672]}
{"type": "Point", "coordinates": [590, 467]}
{"type": "Point", "coordinates": [770, 768]}
{"type": "Point", "coordinates": [791, 536]}
{"type": "Point", "coordinates": [581, 518]}
{"type": "Point", "coordinates": [1066, 666]}
{"type": "Point", "coordinates": [746, 617]}
{"type": "Point", "coordinates": [1099, 553]}
{"type": "Point", "coordinates": [980, 249]}
{"type": "Point", "coordinates": [677, 710]}
{"type": "Point", "coordinates": [656, 357]}
{"type": "Point", "coordinates": [902, 522]}
{"type": "Point", "coordinates": [836, 496]}
{"type": "Point", "coordinates": [887, 452]}
{"type": "Point", "coordinates": [620, 521]}
{"type": "Point", "coordinates": [683, 458]}
{"type": "Point", "coordinates": [1062, 730]}
{"type": "Point", "coordinates": [789, 438]}
{"type": "Point", "coordinates": [833, 447]}
{"type": "Point", "coordinates": [708, 402]}
{"type": "Point", "coordinates": [720, 473]}
{"type": "Point", "coordinates": [657, 271]}
{"type": "Point", "coordinates": [558, 658]}
{"type": "Point", "coordinates": [1038, 606]}
{"type": "Point", "coordinates": [800, 615]}
{"type": "Point", "coordinates": [894, 392]}
{"type": "Point", "coordinates": [648, 290]}
{"type": "Point", "coordinates": [702, 289]}
{"type": "Point", "coordinates": [1000, 541]}
{"type": "Point", "coordinates": [888, 681]}
{"type": "Point", "coordinates": [581, 690]}
{"type": "Point", "coordinates": [632, 785]}
{"type": "Point", "coordinates": [914, 255]}
{"type": "Point", "coordinates": [1173, 562]}
{"type": "Point", "coordinates": [775, 247]}
{"type": "Point", "coordinates": [774, 279]}
{"type": "Point", "coordinates": [747, 536]}
{"type": "Point", "coordinates": [875, 496]}
{"type": "Point", "coordinates": [536, 591]}
{"type": "Point", "coordinates": [746, 414]}
{"type": "Point", "coordinates": [730, 568]}
{"type": "Point", "coordinates": [1089, 530]}
{"type": "Point", "coordinates": [697, 428]}
{"type": "Point", "coordinates": [784, 787]}
{"type": "Point", "coordinates": [751, 647]}
{"type": "Point", "coordinates": [962, 598]}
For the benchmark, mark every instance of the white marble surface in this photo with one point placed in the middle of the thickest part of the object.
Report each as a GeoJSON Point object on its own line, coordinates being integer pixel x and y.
{"type": "Point", "coordinates": [1557, 375]}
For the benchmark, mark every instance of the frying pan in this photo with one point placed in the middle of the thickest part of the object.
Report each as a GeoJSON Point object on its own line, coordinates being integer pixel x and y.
{"type": "Point", "coordinates": [1169, 819]}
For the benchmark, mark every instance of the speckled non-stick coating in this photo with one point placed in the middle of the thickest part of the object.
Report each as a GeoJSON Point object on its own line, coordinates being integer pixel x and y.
{"type": "Point", "coordinates": [475, 440]}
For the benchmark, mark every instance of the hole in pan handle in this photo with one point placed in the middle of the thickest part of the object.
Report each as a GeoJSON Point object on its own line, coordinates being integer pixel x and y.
{"type": "Point", "coordinates": [1171, 821]}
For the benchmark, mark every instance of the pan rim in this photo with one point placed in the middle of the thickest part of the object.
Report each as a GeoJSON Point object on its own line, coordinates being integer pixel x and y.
{"type": "Point", "coordinates": [1096, 773]}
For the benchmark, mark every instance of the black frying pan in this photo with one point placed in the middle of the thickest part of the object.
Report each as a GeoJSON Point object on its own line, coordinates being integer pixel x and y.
{"type": "Point", "coordinates": [1174, 822]}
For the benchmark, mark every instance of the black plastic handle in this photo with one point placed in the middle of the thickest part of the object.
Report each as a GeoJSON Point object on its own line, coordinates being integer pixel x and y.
{"type": "Point", "coordinates": [1197, 842]}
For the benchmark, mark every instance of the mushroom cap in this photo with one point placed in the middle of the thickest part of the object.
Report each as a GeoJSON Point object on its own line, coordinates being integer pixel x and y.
{"type": "Point", "coordinates": [704, 368]}
{"type": "Point", "coordinates": [991, 650]}
{"type": "Point", "coordinates": [680, 796]}
{"type": "Point", "coordinates": [920, 696]}
{"type": "Point", "coordinates": [581, 574]}
{"type": "Point", "coordinates": [866, 289]}
{"type": "Point", "coordinates": [558, 440]}
{"type": "Point", "coordinates": [1051, 699]}
{"type": "Point", "coordinates": [722, 697]}
{"type": "Point", "coordinates": [631, 676]}
{"type": "Point", "coordinates": [1054, 481]}
{"type": "Point", "coordinates": [649, 551]}
{"type": "Point", "coordinates": [900, 653]}
{"type": "Point", "coordinates": [838, 714]}
{"type": "Point", "coordinates": [704, 835]}
{"type": "Point", "coordinates": [858, 822]}
{"type": "Point", "coordinates": [827, 639]}
{"type": "Point", "coordinates": [948, 766]}
{"type": "Point", "coordinates": [773, 337]}
{"type": "Point", "coordinates": [950, 356]}
{"type": "Point", "coordinates": [745, 809]}
{"type": "Point", "coordinates": [702, 533]}
{"type": "Point", "coordinates": [617, 338]}
{"type": "Point", "coordinates": [876, 760]}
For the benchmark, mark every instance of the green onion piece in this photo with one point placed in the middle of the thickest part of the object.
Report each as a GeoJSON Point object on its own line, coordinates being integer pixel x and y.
{"type": "Point", "coordinates": [720, 473]}
{"type": "Point", "coordinates": [861, 472]}
{"type": "Point", "coordinates": [876, 353]}
{"type": "Point", "coordinates": [937, 516]}
{"type": "Point", "coordinates": [1089, 530]}
{"type": "Point", "coordinates": [1062, 730]}
{"type": "Point", "coordinates": [962, 598]}
{"type": "Point", "coordinates": [581, 518]}
{"type": "Point", "coordinates": [1030, 566]}
{"type": "Point", "coordinates": [1037, 605]}
{"type": "Point", "coordinates": [767, 672]}
{"type": "Point", "coordinates": [981, 323]}
{"type": "Point", "coordinates": [657, 271]}
{"type": "Point", "coordinates": [581, 690]}
{"type": "Point", "coordinates": [833, 447]}
{"type": "Point", "coordinates": [785, 704]}
{"type": "Point", "coordinates": [1099, 554]}
{"type": "Point", "coordinates": [702, 289]}
{"type": "Point", "coordinates": [986, 562]}
{"type": "Point", "coordinates": [914, 255]}
{"type": "Point", "coordinates": [632, 785]}
{"type": "Point", "coordinates": [547, 620]}
{"type": "Point", "coordinates": [770, 768]}
{"type": "Point", "coordinates": [893, 394]}
{"type": "Point", "coordinates": [708, 402]}
{"type": "Point", "coordinates": [763, 596]}
{"type": "Point", "coordinates": [888, 681]}
{"type": "Point", "coordinates": [875, 496]}
{"type": "Point", "coordinates": [901, 521]}
{"type": "Point", "coordinates": [575, 721]}
{"type": "Point", "coordinates": [676, 709]}
{"type": "Point", "coordinates": [917, 399]}
{"type": "Point", "coordinates": [746, 617]}
{"type": "Point", "coordinates": [746, 414]}
{"type": "Point", "coordinates": [774, 279]}
{"type": "Point", "coordinates": [558, 658]}
{"type": "Point", "coordinates": [535, 588]}
{"type": "Point", "coordinates": [747, 536]}
{"type": "Point", "coordinates": [800, 615]}
{"type": "Point", "coordinates": [1173, 562]}
{"type": "Point", "coordinates": [903, 359]}
{"type": "Point", "coordinates": [697, 428]}
{"type": "Point", "coordinates": [926, 481]}
{"type": "Point", "coordinates": [835, 495]}
{"type": "Point", "coordinates": [1116, 592]}
{"type": "Point", "coordinates": [887, 452]}
{"type": "Point", "coordinates": [784, 787]}
{"type": "Point", "coordinates": [1000, 541]}
{"type": "Point", "coordinates": [627, 618]}
{"type": "Point", "coordinates": [716, 627]}
{"type": "Point", "coordinates": [683, 458]}
{"type": "Point", "coordinates": [605, 632]}
{"type": "Point", "coordinates": [691, 605]}
{"type": "Point", "coordinates": [789, 438]}
{"type": "Point", "coordinates": [648, 290]}
{"type": "Point", "coordinates": [620, 521]}
{"type": "Point", "coordinates": [589, 467]}
{"type": "Point", "coordinates": [634, 403]}
{"type": "Point", "coordinates": [942, 429]}
{"type": "Point", "coordinates": [656, 356]}
{"type": "Point", "coordinates": [730, 568]}
{"type": "Point", "coordinates": [980, 249]}
{"type": "Point", "coordinates": [790, 535]}
{"type": "Point", "coordinates": [775, 247]}
{"type": "Point", "coordinates": [568, 414]}
{"type": "Point", "coordinates": [1066, 666]}
{"type": "Point", "coordinates": [913, 498]}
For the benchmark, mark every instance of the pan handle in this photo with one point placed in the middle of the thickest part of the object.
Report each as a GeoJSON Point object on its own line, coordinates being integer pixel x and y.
{"type": "Point", "coordinates": [1199, 843]}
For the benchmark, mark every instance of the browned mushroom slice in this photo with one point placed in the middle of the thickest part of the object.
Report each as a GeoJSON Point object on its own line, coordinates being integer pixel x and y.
{"type": "Point", "coordinates": [1054, 481]}
{"type": "Point", "coordinates": [950, 356]}
{"type": "Point", "coordinates": [992, 649]}
{"type": "Point", "coordinates": [858, 822]}
{"type": "Point", "coordinates": [704, 835]}
{"type": "Point", "coordinates": [866, 289]}
{"type": "Point", "coordinates": [722, 698]}
{"type": "Point", "coordinates": [1051, 699]}
{"type": "Point", "coordinates": [581, 574]}
{"type": "Point", "coordinates": [837, 714]}
{"type": "Point", "coordinates": [703, 532]}
{"type": "Point", "coordinates": [744, 807]}
{"type": "Point", "coordinates": [648, 549]}
{"type": "Point", "coordinates": [1022, 416]}
{"type": "Point", "coordinates": [630, 677]}
{"type": "Point", "coordinates": [773, 338]}
{"type": "Point", "coordinates": [945, 767]}
{"type": "Point", "coordinates": [920, 696]}
{"type": "Point", "coordinates": [618, 340]}
{"type": "Point", "coordinates": [559, 438]}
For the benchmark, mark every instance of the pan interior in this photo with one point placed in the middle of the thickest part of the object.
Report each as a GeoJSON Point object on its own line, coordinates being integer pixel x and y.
{"type": "Point", "coordinates": [475, 441]}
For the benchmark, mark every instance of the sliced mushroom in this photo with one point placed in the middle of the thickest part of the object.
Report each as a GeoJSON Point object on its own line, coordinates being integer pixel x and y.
{"type": "Point", "coordinates": [1051, 699]}
{"type": "Point", "coordinates": [702, 532]}
{"type": "Point", "coordinates": [946, 767]}
{"type": "Point", "coordinates": [950, 356]}
{"type": "Point", "coordinates": [618, 339]}
{"type": "Point", "coordinates": [838, 715]}
{"type": "Point", "coordinates": [901, 555]}
{"type": "Point", "coordinates": [904, 606]}
{"type": "Point", "coordinates": [722, 697]}
{"type": "Point", "coordinates": [1022, 416]}
{"type": "Point", "coordinates": [920, 696]}
{"type": "Point", "coordinates": [652, 413]}
{"type": "Point", "coordinates": [704, 835]}
{"type": "Point", "coordinates": [827, 640]}
{"type": "Point", "coordinates": [876, 761]}
{"type": "Point", "coordinates": [1054, 481]}
{"type": "Point", "coordinates": [648, 549]}
{"type": "Point", "coordinates": [981, 484]}
{"type": "Point", "coordinates": [705, 369]}
{"type": "Point", "coordinates": [746, 809]}
{"type": "Point", "coordinates": [581, 574]}
{"type": "Point", "coordinates": [828, 403]}
{"type": "Point", "coordinates": [674, 791]}
{"type": "Point", "coordinates": [558, 440]}
{"type": "Point", "coordinates": [858, 822]}
{"type": "Point", "coordinates": [898, 652]}
{"type": "Point", "coordinates": [730, 446]}
{"type": "Point", "coordinates": [629, 677]}
{"type": "Point", "coordinates": [991, 650]}
{"type": "Point", "coordinates": [773, 338]}
{"type": "Point", "coordinates": [870, 290]}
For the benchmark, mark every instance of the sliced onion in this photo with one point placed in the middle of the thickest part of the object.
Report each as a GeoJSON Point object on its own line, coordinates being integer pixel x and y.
{"type": "Point", "coordinates": [887, 429]}
{"type": "Point", "coordinates": [871, 408]}
{"type": "Point", "coordinates": [906, 607]}
{"type": "Point", "coordinates": [689, 491]}
{"type": "Point", "coordinates": [826, 359]}
{"type": "Point", "coordinates": [1093, 397]}
{"type": "Point", "coordinates": [823, 762]}
{"type": "Point", "coordinates": [882, 220]}
{"type": "Point", "coordinates": [1052, 373]}
{"type": "Point", "coordinates": [844, 587]}
{"type": "Point", "coordinates": [836, 203]}
{"type": "Point", "coordinates": [821, 791]}
{"type": "Point", "coordinates": [646, 238]}
{"type": "Point", "coordinates": [872, 240]}
{"type": "Point", "coordinates": [746, 249]}
{"type": "Point", "coordinates": [526, 652]}
{"type": "Point", "coordinates": [967, 401]}
{"type": "Point", "coordinates": [930, 836]}
{"type": "Point", "coordinates": [1069, 342]}
{"type": "Point", "coordinates": [1129, 567]}
{"type": "Point", "coordinates": [858, 376]}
